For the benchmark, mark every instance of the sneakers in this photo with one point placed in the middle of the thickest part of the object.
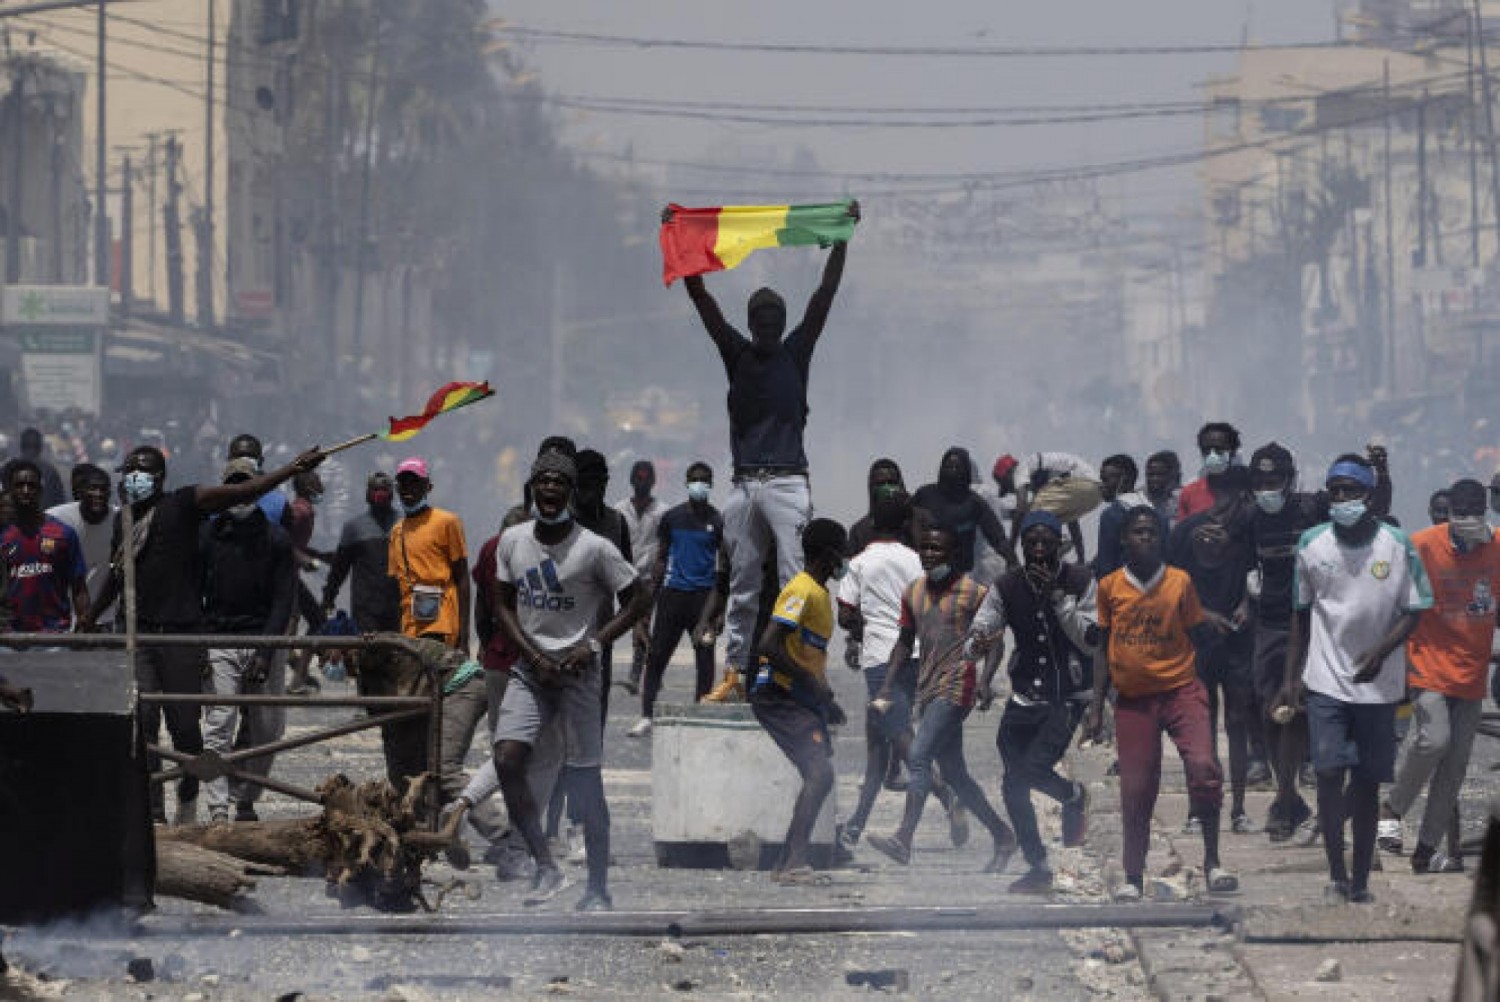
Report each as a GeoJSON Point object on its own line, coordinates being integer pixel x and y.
{"type": "Point", "coordinates": [245, 811]}
{"type": "Point", "coordinates": [1258, 776]}
{"type": "Point", "coordinates": [1127, 893]}
{"type": "Point", "coordinates": [1192, 826]}
{"type": "Point", "coordinates": [1362, 896]}
{"type": "Point", "coordinates": [729, 690]}
{"type": "Point", "coordinates": [1308, 832]}
{"type": "Point", "coordinates": [1388, 835]}
{"type": "Point", "coordinates": [1336, 893]}
{"type": "Point", "coordinates": [958, 825]}
{"type": "Point", "coordinates": [187, 813]}
{"type": "Point", "coordinates": [578, 854]}
{"type": "Point", "coordinates": [549, 880]}
{"type": "Point", "coordinates": [849, 837]}
{"type": "Point", "coordinates": [1280, 827]}
{"type": "Point", "coordinates": [1441, 862]}
{"type": "Point", "coordinates": [1075, 818]}
{"type": "Point", "coordinates": [595, 901]}
{"type": "Point", "coordinates": [890, 845]}
{"type": "Point", "coordinates": [641, 729]}
{"type": "Point", "coordinates": [1222, 881]}
{"type": "Point", "coordinates": [1037, 880]}
{"type": "Point", "coordinates": [1241, 824]}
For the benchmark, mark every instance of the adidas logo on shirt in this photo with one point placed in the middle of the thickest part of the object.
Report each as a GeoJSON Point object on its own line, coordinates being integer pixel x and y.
{"type": "Point", "coordinates": [542, 589]}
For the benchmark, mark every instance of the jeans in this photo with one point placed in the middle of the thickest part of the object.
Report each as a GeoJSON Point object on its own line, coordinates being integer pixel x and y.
{"type": "Point", "coordinates": [178, 670]}
{"type": "Point", "coordinates": [229, 727]}
{"type": "Point", "coordinates": [1438, 750]}
{"type": "Point", "coordinates": [1032, 740]}
{"type": "Point", "coordinates": [760, 513]}
{"type": "Point", "coordinates": [940, 740]}
{"type": "Point", "coordinates": [1139, 722]}
{"type": "Point", "coordinates": [676, 613]}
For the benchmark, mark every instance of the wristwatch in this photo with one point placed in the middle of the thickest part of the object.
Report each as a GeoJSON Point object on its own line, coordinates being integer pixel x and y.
{"type": "Point", "coordinates": [595, 646]}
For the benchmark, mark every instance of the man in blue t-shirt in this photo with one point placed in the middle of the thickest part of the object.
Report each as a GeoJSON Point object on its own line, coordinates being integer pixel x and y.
{"type": "Point", "coordinates": [688, 540]}
{"type": "Point", "coordinates": [771, 500]}
{"type": "Point", "coordinates": [46, 577]}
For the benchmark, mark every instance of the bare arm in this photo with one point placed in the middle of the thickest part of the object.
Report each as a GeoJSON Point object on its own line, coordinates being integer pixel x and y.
{"type": "Point", "coordinates": [510, 623]}
{"type": "Point", "coordinates": [1369, 664]}
{"type": "Point", "coordinates": [1093, 721]}
{"type": "Point", "coordinates": [821, 302]}
{"type": "Point", "coordinates": [1296, 654]}
{"type": "Point", "coordinates": [80, 591]}
{"type": "Point", "coordinates": [219, 497]}
{"type": "Point", "coordinates": [718, 328]}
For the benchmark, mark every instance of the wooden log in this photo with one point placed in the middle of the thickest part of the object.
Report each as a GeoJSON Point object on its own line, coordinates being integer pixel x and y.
{"type": "Point", "coordinates": [294, 846]}
{"type": "Point", "coordinates": [186, 871]}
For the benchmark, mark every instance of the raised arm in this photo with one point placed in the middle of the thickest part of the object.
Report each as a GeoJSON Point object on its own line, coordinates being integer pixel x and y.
{"type": "Point", "coordinates": [220, 497]}
{"type": "Point", "coordinates": [718, 328]}
{"type": "Point", "coordinates": [821, 302]}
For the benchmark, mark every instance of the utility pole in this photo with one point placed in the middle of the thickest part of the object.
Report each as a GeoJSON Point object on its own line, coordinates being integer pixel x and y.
{"type": "Point", "coordinates": [127, 236]}
{"type": "Point", "coordinates": [206, 230]}
{"type": "Point", "coordinates": [1473, 148]}
{"type": "Point", "coordinates": [1489, 113]}
{"type": "Point", "coordinates": [151, 138]}
{"type": "Point", "coordinates": [1421, 257]}
{"type": "Point", "coordinates": [172, 228]}
{"type": "Point", "coordinates": [54, 200]}
{"type": "Point", "coordinates": [13, 198]}
{"type": "Point", "coordinates": [1390, 246]}
{"type": "Point", "coordinates": [364, 197]}
{"type": "Point", "coordinates": [101, 166]}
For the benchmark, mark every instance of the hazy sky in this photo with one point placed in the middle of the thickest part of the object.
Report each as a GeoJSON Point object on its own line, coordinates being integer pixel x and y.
{"type": "Point", "coordinates": [867, 80]}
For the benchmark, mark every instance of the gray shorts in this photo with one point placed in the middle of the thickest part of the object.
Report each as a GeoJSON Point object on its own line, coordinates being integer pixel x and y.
{"type": "Point", "coordinates": [530, 710]}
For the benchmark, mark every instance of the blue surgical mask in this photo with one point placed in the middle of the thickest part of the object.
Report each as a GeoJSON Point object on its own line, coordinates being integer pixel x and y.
{"type": "Point", "coordinates": [699, 490]}
{"type": "Point", "coordinates": [561, 518]}
{"type": "Point", "coordinates": [1347, 513]}
{"type": "Point", "coordinates": [139, 486]}
{"type": "Point", "coordinates": [1216, 462]}
{"type": "Point", "coordinates": [415, 508]}
{"type": "Point", "coordinates": [939, 573]}
{"type": "Point", "coordinates": [1270, 502]}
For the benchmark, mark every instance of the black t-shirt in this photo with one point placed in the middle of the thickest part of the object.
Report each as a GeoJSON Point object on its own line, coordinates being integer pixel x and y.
{"type": "Point", "coordinates": [1275, 538]}
{"type": "Point", "coordinates": [168, 570]}
{"type": "Point", "coordinates": [768, 399]}
{"type": "Point", "coordinates": [1221, 588]}
{"type": "Point", "coordinates": [965, 517]}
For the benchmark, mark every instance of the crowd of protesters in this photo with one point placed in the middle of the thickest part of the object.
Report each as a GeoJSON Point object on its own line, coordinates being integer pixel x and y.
{"type": "Point", "coordinates": [1306, 623]}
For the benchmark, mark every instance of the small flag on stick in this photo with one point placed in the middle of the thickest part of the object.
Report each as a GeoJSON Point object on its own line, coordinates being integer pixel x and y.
{"type": "Point", "coordinates": [449, 398]}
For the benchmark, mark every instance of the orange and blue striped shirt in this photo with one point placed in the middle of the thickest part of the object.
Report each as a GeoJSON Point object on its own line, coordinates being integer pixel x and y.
{"type": "Point", "coordinates": [941, 620]}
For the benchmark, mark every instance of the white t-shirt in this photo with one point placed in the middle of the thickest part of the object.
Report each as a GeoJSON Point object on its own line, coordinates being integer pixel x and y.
{"type": "Point", "coordinates": [876, 580]}
{"type": "Point", "coordinates": [1356, 595]}
{"type": "Point", "coordinates": [642, 528]}
{"type": "Point", "coordinates": [560, 589]}
{"type": "Point", "coordinates": [95, 540]}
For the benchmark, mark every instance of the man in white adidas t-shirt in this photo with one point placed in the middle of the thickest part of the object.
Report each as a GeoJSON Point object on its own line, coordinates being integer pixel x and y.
{"type": "Point", "coordinates": [553, 577]}
{"type": "Point", "coordinates": [1359, 586]}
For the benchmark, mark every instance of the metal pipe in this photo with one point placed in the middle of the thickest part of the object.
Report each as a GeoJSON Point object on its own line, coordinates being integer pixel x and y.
{"type": "Point", "coordinates": [116, 641]}
{"type": "Point", "coordinates": [266, 699]}
{"type": "Point", "coordinates": [170, 775]}
{"type": "Point", "coordinates": [728, 922]}
{"type": "Point", "coordinates": [301, 740]}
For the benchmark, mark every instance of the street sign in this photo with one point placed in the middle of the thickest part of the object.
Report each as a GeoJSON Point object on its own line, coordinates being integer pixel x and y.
{"type": "Point", "coordinates": [60, 368]}
{"type": "Point", "coordinates": [54, 305]}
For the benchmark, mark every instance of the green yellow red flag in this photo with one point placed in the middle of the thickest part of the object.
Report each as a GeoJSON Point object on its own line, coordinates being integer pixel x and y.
{"type": "Point", "coordinates": [696, 241]}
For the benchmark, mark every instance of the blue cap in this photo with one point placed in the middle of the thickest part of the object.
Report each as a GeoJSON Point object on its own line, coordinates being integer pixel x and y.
{"type": "Point", "coordinates": [1042, 518]}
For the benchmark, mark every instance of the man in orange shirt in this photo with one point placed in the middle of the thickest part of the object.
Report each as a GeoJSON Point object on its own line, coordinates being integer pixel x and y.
{"type": "Point", "coordinates": [1147, 613]}
{"type": "Point", "coordinates": [1447, 663]}
{"type": "Point", "coordinates": [429, 560]}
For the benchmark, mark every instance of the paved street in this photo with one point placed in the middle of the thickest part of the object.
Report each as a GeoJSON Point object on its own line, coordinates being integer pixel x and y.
{"type": "Point", "coordinates": [425, 961]}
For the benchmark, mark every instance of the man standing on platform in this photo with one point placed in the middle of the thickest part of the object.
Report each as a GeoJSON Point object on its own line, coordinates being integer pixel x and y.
{"type": "Point", "coordinates": [771, 500]}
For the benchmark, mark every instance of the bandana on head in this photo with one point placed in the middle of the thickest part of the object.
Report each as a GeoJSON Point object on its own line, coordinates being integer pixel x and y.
{"type": "Point", "coordinates": [1358, 472]}
{"type": "Point", "coordinates": [1043, 518]}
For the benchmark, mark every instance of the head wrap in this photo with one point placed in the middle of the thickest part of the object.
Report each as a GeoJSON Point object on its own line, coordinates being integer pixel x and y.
{"type": "Point", "coordinates": [1043, 518]}
{"type": "Point", "coordinates": [554, 462]}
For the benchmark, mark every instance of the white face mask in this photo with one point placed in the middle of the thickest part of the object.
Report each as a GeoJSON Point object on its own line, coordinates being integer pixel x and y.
{"type": "Point", "coordinates": [560, 518]}
{"type": "Point", "coordinates": [940, 573]}
{"type": "Point", "coordinates": [1473, 530]}
{"type": "Point", "coordinates": [1270, 502]}
{"type": "Point", "coordinates": [1216, 462]}
{"type": "Point", "coordinates": [699, 490]}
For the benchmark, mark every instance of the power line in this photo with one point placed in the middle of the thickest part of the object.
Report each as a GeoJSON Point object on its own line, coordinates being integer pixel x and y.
{"type": "Point", "coordinates": [805, 48]}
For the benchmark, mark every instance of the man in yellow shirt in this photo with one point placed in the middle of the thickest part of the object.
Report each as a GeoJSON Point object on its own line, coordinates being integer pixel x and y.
{"type": "Point", "coordinates": [790, 695]}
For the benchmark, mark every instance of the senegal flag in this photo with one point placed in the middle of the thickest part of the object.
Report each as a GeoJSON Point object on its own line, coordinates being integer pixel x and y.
{"type": "Point", "coordinates": [696, 241]}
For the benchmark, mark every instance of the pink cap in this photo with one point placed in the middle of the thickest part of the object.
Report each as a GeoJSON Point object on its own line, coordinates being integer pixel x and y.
{"type": "Point", "coordinates": [416, 465]}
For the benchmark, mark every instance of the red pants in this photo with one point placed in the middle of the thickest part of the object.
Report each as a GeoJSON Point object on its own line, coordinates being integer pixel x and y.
{"type": "Point", "coordinates": [1139, 723]}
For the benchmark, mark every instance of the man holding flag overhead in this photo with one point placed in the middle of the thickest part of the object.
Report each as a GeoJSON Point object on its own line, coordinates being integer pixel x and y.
{"type": "Point", "coordinates": [768, 375]}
